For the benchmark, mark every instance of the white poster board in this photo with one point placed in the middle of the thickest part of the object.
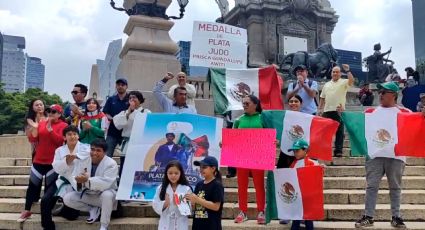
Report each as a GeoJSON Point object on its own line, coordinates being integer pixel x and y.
{"type": "Point", "coordinates": [218, 45]}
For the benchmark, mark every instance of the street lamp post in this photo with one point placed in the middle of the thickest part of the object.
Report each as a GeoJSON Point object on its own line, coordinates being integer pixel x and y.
{"type": "Point", "coordinates": [149, 52]}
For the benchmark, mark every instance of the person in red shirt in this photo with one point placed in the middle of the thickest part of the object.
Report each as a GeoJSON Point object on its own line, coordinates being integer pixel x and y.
{"type": "Point", "coordinates": [49, 137]}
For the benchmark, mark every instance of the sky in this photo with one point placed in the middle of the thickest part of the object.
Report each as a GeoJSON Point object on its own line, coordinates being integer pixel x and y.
{"type": "Point", "coordinates": [69, 35]}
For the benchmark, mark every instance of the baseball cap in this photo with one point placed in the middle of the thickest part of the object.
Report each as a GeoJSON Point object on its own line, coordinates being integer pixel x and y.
{"type": "Point", "coordinates": [299, 144]}
{"type": "Point", "coordinates": [299, 67]}
{"type": "Point", "coordinates": [391, 86]}
{"type": "Point", "coordinates": [121, 80]}
{"type": "Point", "coordinates": [55, 107]}
{"type": "Point", "coordinates": [207, 161]}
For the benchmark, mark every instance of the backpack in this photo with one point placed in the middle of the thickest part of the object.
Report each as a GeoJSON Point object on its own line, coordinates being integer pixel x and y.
{"type": "Point", "coordinates": [310, 82]}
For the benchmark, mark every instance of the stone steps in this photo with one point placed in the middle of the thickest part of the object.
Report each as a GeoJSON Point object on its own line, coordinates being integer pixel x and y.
{"type": "Point", "coordinates": [331, 196]}
{"type": "Point", "coordinates": [330, 171]}
{"type": "Point", "coordinates": [409, 182]}
{"type": "Point", "coordinates": [8, 221]}
{"type": "Point", "coordinates": [340, 212]}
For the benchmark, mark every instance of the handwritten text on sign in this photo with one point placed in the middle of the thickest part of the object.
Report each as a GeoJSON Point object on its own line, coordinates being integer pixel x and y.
{"type": "Point", "coordinates": [218, 45]}
{"type": "Point", "coordinates": [249, 148]}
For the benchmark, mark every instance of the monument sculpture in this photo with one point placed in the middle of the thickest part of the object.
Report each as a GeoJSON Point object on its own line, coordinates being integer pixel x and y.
{"type": "Point", "coordinates": [379, 66]}
{"type": "Point", "coordinates": [279, 27]}
{"type": "Point", "coordinates": [149, 51]}
{"type": "Point", "coordinates": [319, 63]}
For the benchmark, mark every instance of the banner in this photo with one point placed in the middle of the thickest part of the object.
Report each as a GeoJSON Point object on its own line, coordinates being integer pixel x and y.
{"type": "Point", "coordinates": [218, 45]}
{"type": "Point", "coordinates": [249, 148]}
{"type": "Point", "coordinates": [157, 139]}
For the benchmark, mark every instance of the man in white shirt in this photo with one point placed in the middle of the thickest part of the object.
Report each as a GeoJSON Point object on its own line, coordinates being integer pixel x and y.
{"type": "Point", "coordinates": [190, 89]}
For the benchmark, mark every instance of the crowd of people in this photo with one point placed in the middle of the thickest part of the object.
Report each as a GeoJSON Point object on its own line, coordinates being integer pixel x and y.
{"type": "Point", "coordinates": [72, 150]}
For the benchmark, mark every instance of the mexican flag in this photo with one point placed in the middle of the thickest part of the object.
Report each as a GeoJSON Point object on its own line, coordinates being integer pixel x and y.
{"type": "Point", "coordinates": [296, 194]}
{"type": "Point", "coordinates": [291, 126]}
{"type": "Point", "coordinates": [385, 132]}
{"type": "Point", "coordinates": [229, 86]}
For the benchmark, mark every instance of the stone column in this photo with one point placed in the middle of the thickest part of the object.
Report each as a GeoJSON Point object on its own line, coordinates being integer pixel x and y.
{"type": "Point", "coordinates": [149, 53]}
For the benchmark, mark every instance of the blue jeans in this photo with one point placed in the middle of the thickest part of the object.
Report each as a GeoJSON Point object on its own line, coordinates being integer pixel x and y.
{"type": "Point", "coordinates": [112, 143]}
{"type": "Point", "coordinates": [296, 225]}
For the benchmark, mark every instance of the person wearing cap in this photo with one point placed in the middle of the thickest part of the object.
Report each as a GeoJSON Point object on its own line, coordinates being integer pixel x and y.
{"type": "Point", "coordinates": [168, 152]}
{"type": "Point", "coordinates": [377, 167]}
{"type": "Point", "coordinates": [300, 149]}
{"type": "Point", "coordinates": [190, 89]}
{"type": "Point", "coordinates": [113, 106]}
{"type": "Point", "coordinates": [49, 138]}
{"type": "Point", "coordinates": [421, 103]}
{"type": "Point", "coordinates": [70, 160]}
{"type": "Point", "coordinates": [179, 102]}
{"type": "Point", "coordinates": [74, 111]}
{"type": "Point", "coordinates": [306, 88]}
{"type": "Point", "coordinates": [332, 98]}
{"type": "Point", "coordinates": [365, 95]}
{"type": "Point", "coordinates": [208, 196]}
{"type": "Point", "coordinates": [125, 119]}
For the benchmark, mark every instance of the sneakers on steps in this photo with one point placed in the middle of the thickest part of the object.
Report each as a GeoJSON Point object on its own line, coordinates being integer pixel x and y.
{"type": "Point", "coordinates": [24, 216]}
{"type": "Point", "coordinates": [94, 214]}
{"type": "Point", "coordinates": [397, 222]}
{"type": "Point", "coordinates": [365, 221]}
{"type": "Point", "coordinates": [241, 218]}
{"type": "Point", "coordinates": [261, 218]}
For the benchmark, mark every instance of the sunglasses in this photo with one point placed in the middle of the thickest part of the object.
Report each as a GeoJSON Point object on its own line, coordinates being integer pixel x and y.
{"type": "Point", "coordinates": [75, 92]}
{"type": "Point", "coordinates": [52, 111]}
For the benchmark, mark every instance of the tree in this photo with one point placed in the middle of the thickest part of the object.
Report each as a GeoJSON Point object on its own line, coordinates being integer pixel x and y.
{"type": "Point", "coordinates": [14, 106]}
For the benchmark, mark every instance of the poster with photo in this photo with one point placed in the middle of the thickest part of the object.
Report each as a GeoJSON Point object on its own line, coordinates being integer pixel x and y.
{"type": "Point", "coordinates": [158, 138]}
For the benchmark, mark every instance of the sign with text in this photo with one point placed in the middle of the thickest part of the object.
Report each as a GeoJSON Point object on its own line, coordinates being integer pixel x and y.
{"type": "Point", "coordinates": [249, 148]}
{"type": "Point", "coordinates": [218, 45]}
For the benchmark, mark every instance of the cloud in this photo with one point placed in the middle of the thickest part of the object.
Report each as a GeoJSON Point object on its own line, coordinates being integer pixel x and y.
{"type": "Point", "coordinates": [69, 35]}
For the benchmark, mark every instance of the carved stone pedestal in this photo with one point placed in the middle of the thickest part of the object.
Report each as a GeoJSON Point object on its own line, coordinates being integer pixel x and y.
{"type": "Point", "coordinates": [149, 52]}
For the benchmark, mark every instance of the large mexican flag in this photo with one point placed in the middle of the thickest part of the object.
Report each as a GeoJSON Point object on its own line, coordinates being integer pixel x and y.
{"type": "Point", "coordinates": [386, 132]}
{"type": "Point", "coordinates": [229, 86]}
{"type": "Point", "coordinates": [295, 194]}
{"type": "Point", "coordinates": [291, 126]}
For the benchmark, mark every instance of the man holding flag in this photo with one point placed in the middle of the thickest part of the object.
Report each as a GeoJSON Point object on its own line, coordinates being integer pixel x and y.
{"type": "Point", "coordinates": [381, 158]}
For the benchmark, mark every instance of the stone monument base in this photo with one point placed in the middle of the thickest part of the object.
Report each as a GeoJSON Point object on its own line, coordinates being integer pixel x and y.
{"type": "Point", "coordinates": [144, 69]}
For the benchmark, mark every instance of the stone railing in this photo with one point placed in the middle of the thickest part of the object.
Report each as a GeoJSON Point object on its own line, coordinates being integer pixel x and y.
{"type": "Point", "coordinates": [203, 88]}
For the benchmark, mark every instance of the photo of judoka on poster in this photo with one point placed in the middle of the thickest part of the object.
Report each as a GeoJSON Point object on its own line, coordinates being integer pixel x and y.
{"type": "Point", "coordinates": [159, 138]}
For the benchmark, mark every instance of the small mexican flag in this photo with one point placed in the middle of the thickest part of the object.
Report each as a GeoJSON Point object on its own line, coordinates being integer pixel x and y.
{"type": "Point", "coordinates": [291, 126]}
{"type": "Point", "coordinates": [297, 194]}
{"type": "Point", "coordinates": [229, 86]}
{"type": "Point", "coordinates": [386, 132]}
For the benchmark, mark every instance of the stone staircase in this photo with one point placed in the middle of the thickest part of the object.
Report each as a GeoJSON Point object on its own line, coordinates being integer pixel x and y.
{"type": "Point", "coordinates": [344, 191]}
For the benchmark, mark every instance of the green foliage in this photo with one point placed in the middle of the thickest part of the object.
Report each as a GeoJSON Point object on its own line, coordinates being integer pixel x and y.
{"type": "Point", "coordinates": [14, 106]}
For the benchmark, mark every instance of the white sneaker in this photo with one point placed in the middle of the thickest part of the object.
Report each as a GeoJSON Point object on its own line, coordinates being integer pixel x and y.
{"type": "Point", "coordinates": [103, 228]}
{"type": "Point", "coordinates": [94, 214]}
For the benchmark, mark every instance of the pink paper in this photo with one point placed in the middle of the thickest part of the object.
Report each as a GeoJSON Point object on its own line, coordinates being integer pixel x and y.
{"type": "Point", "coordinates": [249, 148]}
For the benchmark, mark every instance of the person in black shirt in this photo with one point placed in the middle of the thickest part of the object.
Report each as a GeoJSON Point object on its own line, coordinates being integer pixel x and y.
{"type": "Point", "coordinates": [113, 106]}
{"type": "Point", "coordinates": [208, 197]}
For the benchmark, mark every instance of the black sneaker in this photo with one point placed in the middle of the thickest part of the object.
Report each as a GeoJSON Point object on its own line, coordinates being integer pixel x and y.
{"type": "Point", "coordinates": [337, 154]}
{"type": "Point", "coordinates": [397, 222]}
{"type": "Point", "coordinates": [365, 221]}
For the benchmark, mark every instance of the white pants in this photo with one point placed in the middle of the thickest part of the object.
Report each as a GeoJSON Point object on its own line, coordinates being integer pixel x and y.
{"type": "Point", "coordinates": [104, 200]}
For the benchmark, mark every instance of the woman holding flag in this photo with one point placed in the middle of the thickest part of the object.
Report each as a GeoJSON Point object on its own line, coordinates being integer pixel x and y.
{"type": "Point", "coordinates": [250, 119]}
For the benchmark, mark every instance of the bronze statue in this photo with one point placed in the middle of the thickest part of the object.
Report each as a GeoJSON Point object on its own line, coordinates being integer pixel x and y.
{"type": "Point", "coordinates": [319, 63]}
{"type": "Point", "coordinates": [377, 64]}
